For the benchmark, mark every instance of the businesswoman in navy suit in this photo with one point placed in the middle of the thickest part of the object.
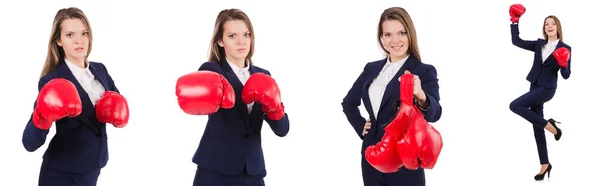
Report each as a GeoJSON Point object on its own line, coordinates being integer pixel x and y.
{"type": "Point", "coordinates": [80, 98]}
{"type": "Point", "coordinates": [543, 77]}
{"type": "Point", "coordinates": [230, 151]}
{"type": "Point", "coordinates": [378, 87]}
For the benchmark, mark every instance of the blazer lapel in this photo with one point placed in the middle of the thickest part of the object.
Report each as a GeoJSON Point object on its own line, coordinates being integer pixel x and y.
{"type": "Point", "coordinates": [88, 110]}
{"type": "Point", "coordinates": [369, 81]}
{"type": "Point", "coordinates": [237, 87]}
{"type": "Point", "coordinates": [99, 77]}
{"type": "Point", "coordinates": [394, 85]}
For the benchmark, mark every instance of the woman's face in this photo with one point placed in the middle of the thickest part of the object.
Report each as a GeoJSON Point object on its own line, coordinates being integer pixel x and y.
{"type": "Point", "coordinates": [395, 39]}
{"type": "Point", "coordinates": [550, 27]}
{"type": "Point", "coordinates": [236, 40]}
{"type": "Point", "coordinates": [74, 39]}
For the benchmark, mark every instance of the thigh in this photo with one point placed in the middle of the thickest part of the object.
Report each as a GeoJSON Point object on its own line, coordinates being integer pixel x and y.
{"type": "Point", "coordinates": [535, 97]}
{"type": "Point", "coordinates": [205, 177]}
{"type": "Point", "coordinates": [370, 175]}
{"type": "Point", "coordinates": [52, 177]}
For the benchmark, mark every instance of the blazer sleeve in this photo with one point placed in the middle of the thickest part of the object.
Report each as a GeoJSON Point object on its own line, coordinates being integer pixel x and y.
{"type": "Point", "coordinates": [280, 127]}
{"type": "Point", "coordinates": [352, 101]}
{"type": "Point", "coordinates": [429, 84]}
{"type": "Point", "coordinates": [517, 41]}
{"type": "Point", "coordinates": [566, 72]}
{"type": "Point", "coordinates": [33, 137]}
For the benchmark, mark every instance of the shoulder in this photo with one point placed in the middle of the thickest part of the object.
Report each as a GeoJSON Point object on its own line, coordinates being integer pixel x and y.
{"type": "Point", "coordinates": [98, 66]}
{"type": "Point", "coordinates": [373, 64]}
{"type": "Point", "coordinates": [47, 78]}
{"type": "Point", "coordinates": [211, 66]}
{"type": "Point", "coordinates": [541, 40]}
{"type": "Point", "coordinates": [425, 69]}
{"type": "Point", "coordinates": [262, 70]}
{"type": "Point", "coordinates": [566, 46]}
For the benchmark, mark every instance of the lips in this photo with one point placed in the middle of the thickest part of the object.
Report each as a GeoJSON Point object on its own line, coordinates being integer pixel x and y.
{"type": "Point", "coordinates": [397, 47]}
{"type": "Point", "coordinates": [79, 49]}
{"type": "Point", "coordinates": [241, 49]}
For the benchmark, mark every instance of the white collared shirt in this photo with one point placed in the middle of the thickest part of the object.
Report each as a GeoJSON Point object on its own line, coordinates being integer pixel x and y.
{"type": "Point", "coordinates": [548, 49]}
{"type": "Point", "coordinates": [379, 84]}
{"type": "Point", "coordinates": [87, 80]}
{"type": "Point", "coordinates": [243, 74]}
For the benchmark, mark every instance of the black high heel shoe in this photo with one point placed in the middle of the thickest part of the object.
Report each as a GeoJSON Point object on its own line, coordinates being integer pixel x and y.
{"type": "Point", "coordinates": [558, 131]}
{"type": "Point", "coordinates": [540, 177]}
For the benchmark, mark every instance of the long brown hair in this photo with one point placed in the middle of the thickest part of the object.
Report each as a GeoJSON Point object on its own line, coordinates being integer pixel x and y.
{"type": "Point", "coordinates": [55, 52]}
{"type": "Point", "coordinates": [559, 33]}
{"type": "Point", "coordinates": [400, 14]}
{"type": "Point", "coordinates": [217, 53]}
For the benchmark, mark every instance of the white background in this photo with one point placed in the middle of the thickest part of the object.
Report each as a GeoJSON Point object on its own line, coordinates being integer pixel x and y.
{"type": "Point", "coordinates": [315, 50]}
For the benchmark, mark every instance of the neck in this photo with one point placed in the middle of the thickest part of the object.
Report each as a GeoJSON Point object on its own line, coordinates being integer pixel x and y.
{"type": "Point", "coordinates": [241, 63]}
{"type": "Point", "coordinates": [552, 38]}
{"type": "Point", "coordinates": [78, 62]}
{"type": "Point", "coordinates": [394, 59]}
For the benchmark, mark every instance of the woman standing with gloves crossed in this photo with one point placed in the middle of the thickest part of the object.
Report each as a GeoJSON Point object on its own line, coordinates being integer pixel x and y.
{"type": "Point", "coordinates": [551, 55]}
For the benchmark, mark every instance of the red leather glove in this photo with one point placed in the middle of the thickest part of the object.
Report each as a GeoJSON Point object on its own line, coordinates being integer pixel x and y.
{"type": "Point", "coordinates": [383, 156]}
{"type": "Point", "coordinates": [263, 89]}
{"type": "Point", "coordinates": [516, 11]}
{"type": "Point", "coordinates": [204, 92]}
{"type": "Point", "coordinates": [113, 108]}
{"type": "Point", "coordinates": [562, 56]}
{"type": "Point", "coordinates": [421, 144]}
{"type": "Point", "coordinates": [56, 100]}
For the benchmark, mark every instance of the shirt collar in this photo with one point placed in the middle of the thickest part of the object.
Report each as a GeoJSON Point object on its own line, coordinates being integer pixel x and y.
{"type": "Point", "coordinates": [555, 42]}
{"type": "Point", "coordinates": [398, 63]}
{"type": "Point", "coordinates": [78, 71]}
{"type": "Point", "coordinates": [236, 68]}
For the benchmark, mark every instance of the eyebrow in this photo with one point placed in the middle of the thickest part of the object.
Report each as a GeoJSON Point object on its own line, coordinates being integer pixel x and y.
{"type": "Point", "coordinates": [237, 33]}
{"type": "Point", "coordinates": [403, 30]}
{"type": "Point", "coordinates": [68, 31]}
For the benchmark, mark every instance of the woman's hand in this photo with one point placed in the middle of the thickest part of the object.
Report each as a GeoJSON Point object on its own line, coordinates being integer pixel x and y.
{"type": "Point", "coordinates": [367, 127]}
{"type": "Point", "coordinates": [418, 92]}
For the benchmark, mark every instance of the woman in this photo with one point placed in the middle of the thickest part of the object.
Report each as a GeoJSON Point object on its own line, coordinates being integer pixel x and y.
{"type": "Point", "coordinates": [378, 87]}
{"type": "Point", "coordinates": [80, 97]}
{"type": "Point", "coordinates": [238, 97]}
{"type": "Point", "coordinates": [551, 55]}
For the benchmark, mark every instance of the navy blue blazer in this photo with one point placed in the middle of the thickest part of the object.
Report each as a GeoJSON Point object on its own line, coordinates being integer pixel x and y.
{"type": "Point", "coordinates": [79, 145]}
{"type": "Point", "coordinates": [545, 74]}
{"type": "Point", "coordinates": [388, 109]}
{"type": "Point", "coordinates": [232, 138]}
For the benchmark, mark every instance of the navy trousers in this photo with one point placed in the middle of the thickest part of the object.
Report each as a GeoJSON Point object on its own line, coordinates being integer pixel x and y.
{"type": "Point", "coordinates": [53, 177]}
{"type": "Point", "coordinates": [530, 106]}
{"type": "Point", "coordinates": [404, 177]}
{"type": "Point", "coordinates": [205, 177]}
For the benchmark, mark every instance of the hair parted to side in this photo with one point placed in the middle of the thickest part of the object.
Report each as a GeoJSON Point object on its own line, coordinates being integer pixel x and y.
{"type": "Point", "coordinates": [400, 14]}
{"type": "Point", "coordinates": [55, 52]}
{"type": "Point", "coordinates": [217, 53]}
{"type": "Point", "coordinates": [559, 33]}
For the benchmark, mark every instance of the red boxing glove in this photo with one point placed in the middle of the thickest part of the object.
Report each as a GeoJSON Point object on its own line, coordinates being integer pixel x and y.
{"type": "Point", "coordinates": [263, 89]}
{"type": "Point", "coordinates": [204, 92]}
{"type": "Point", "coordinates": [57, 99]}
{"type": "Point", "coordinates": [421, 144]}
{"type": "Point", "coordinates": [113, 108]}
{"type": "Point", "coordinates": [384, 156]}
{"type": "Point", "coordinates": [562, 56]}
{"type": "Point", "coordinates": [516, 11]}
